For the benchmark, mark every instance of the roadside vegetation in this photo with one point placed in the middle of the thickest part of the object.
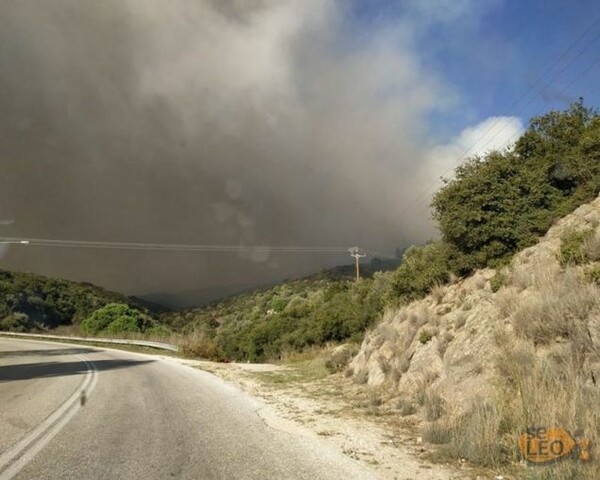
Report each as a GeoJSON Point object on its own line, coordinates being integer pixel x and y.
{"type": "Point", "coordinates": [269, 324]}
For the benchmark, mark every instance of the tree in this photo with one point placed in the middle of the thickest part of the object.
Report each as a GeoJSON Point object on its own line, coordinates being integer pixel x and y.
{"type": "Point", "coordinates": [115, 318]}
{"type": "Point", "coordinates": [503, 202]}
{"type": "Point", "coordinates": [421, 268]}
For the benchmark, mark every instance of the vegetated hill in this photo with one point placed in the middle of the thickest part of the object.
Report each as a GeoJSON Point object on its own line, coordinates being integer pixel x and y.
{"type": "Point", "coordinates": [190, 299]}
{"type": "Point", "coordinates": [480, 360]}
{"type": "Point", "coordinates": [266, 324]}
{"type": "Point", "coordinates": [35, 302]}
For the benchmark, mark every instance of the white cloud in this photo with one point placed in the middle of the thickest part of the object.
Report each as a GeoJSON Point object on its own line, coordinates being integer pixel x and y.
{"type": "Point", "coordinates": [494, 133]}
{"type": "Point", "coordinates": [440, 161]}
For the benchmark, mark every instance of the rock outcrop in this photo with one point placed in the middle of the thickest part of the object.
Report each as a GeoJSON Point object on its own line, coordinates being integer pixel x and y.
{"type": "Point", "coordinates": [457, 341]}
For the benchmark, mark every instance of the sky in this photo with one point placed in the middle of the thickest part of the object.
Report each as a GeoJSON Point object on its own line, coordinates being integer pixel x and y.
{"type": "Point", "coordinates": [245, 123]}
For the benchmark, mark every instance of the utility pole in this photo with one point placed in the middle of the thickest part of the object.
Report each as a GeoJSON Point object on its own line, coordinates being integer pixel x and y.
{"type": "Point", "coordinates": [357, 253]}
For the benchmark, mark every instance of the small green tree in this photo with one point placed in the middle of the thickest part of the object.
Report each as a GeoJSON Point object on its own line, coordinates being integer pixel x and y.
{"type": "Point", "coordinates": [115, 318]}
{"type": "Point", "coordinates": [15, 322]}
{"type": "Point", "coordinates": [421, 268]}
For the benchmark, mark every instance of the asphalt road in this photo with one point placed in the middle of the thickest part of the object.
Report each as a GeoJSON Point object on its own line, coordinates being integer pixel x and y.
{"type": "Point", "coordinates": [76, 412]}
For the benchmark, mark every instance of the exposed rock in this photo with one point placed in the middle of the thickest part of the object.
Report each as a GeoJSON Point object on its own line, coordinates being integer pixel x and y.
{"type": "Point", "coordinates": [448, 341]}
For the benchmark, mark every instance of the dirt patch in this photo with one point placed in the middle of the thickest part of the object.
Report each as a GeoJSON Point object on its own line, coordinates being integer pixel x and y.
{"type": "Point", "coordinates": [353, 418]}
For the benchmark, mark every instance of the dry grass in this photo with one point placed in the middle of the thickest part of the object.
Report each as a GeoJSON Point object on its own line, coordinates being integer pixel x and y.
{"type": "Point", "coordinates": [361, 377]}
{"type": "Point", "coordinates": [405, 407]}
{"type": "Point", "coordinates": [521, 278]}
{"type": "Point", "coordinates": [340, 357]}
{"type": "Point", "coordinates": [443, 342]}
{"type": "Point", "coordinates": [423, 316]}
{"type": "Point", "coordinates": [544, 381]}
{"type": "Point", "coordinates": [434, 405]}
{"type": "Point", "coordinates": [550, 390]}
{"type": "Point", "coordinates": [559, 308]}
{"type": "Point", "coordinates": [591, 247]}
{"type": "Point", "coordinates": [198, 345]}
{"type": "Point", "coordinates": [387, 333]}
{"type": "Point", "coordinates": [423, 389]}
{"type": "Point", "coordinates": [438, 292]}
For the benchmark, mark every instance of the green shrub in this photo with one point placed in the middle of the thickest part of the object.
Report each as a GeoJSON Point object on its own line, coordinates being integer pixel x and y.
{"type": "Point", "coordinates": [15, 322]}
{"type": "Point", "coordinates": [116, 318]}
{"type": "Point", "coordinates": [498, 281]}
{"type": "Point", "coordinates": [278, 304]}
{"type": "Point", "coordinates": [572, 247]}
{"type": "Point", "coordinates": [421, 269]}
{"type": "Point", "coordinates": [425, 336]}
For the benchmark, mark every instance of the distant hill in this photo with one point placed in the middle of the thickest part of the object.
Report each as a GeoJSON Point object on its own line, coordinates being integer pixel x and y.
{"type": "Point", "coordinates": [198, 298]}
{"type": "Point", "coordinates": [367, 269]}
{"type": "Point", "coordinates": [29, 301]}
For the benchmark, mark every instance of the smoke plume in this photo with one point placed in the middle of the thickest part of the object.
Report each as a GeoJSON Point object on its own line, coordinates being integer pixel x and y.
{"type": "Point", "coordinates": [234, 122]}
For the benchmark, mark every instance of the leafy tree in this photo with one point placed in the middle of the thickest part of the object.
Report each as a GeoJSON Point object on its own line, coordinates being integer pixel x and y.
{"type": "Point", "coordinates": [116, 318]}
{"type": "Point", "coordinates": [503, 202]}
{"type": "Point", "coordinates": [421, 268]}
{"type": "Point", "coordinates": [15, 322]}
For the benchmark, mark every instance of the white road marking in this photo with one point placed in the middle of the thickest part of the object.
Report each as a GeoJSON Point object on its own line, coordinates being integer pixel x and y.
{"type": "Point", "coordinates": [13, 460]}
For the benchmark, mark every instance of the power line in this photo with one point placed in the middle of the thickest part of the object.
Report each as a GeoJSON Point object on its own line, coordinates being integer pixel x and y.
{"type": "Point", "coordinates": [46, 242]}
{"type": "Point", "coordinates": [561, 92]}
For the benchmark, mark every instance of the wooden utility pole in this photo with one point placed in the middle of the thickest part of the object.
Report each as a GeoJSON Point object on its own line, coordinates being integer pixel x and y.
{"type": "Point", "coordinates": [357, 253]}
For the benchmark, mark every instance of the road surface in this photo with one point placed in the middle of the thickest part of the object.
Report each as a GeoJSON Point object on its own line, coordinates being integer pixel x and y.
{"type": "Point", "coordinates": [76, 412]}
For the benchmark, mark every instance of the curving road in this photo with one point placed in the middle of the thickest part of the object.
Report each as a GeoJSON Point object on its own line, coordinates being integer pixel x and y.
{"type": "Point", "coordinates": [75, 412]}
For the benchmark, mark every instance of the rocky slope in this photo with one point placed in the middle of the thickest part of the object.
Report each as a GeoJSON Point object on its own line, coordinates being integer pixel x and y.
{"type": "Point", "coordinates": [524, 340]}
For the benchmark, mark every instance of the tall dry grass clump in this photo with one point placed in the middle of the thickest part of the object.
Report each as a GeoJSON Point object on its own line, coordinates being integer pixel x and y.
{"type": "Point", "coordinates": [544, 350]}
{"type": "Point", "coordinates": [558, 308]}
{"type": "Point", "coordinates": [198, 345]}
{"type": "Point", "coordinates": [548, 390]}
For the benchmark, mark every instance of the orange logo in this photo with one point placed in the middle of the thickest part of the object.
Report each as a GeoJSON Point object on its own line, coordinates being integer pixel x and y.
{"type": "Point", "coordinates": [541, 445]}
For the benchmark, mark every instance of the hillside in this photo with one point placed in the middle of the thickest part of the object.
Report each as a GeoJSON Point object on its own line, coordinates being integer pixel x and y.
{"type": "Point", "coordinates": [196, 298]}
{"type": "Point", "coordinates": [34, 302]}
{"type": "Point", "coordinates": [266, 324]}
{"type": "Point", "coordinates": [311, 311]}
{"type": "Point", "coordinates": [477, 361]}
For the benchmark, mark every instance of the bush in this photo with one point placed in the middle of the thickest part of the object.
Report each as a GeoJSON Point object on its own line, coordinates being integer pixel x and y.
{"type": "Point", "coordinates": [278, 304]}
{"type": "Point", "coordinates": [498, 281]}
{"type": "Point", "coordinates": [338, 359]}
{"type": "Point", "coordinates": [15, 322]}
{"type": "Point", "coordinates": [422, 268]}
{"type": "Point", "coordinates": [198, 345]}
{"type": "Point", "coordinates": [425, 336]}
{"type": "Point", "coordinates": [116, 318]}
{"type": "Point", "coordinates": [593, 274]}
{"type": "Point", "coordinates": [572, 247]}
{"type": "Point", "coordinates": [50, 302]}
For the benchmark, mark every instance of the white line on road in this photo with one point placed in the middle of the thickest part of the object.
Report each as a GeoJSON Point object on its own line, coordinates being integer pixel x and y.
{"type": "Point", "coordinates": [13, 460]}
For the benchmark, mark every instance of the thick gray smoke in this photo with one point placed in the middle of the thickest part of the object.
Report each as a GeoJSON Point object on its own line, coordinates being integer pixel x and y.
{"type": "Point", "coordinates": [205, 121]}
